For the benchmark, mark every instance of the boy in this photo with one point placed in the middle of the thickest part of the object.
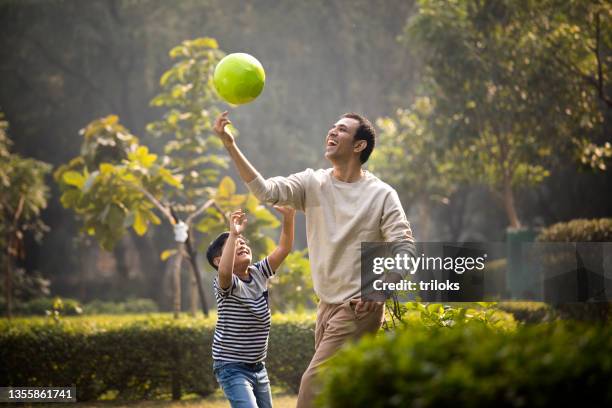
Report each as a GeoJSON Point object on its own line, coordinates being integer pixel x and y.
{"type": "Point", "coordinates": [243, 324]}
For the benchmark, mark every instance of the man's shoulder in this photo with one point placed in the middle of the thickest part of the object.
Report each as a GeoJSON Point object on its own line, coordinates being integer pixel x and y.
{"type": "Point", "coordinates": [375, 183]}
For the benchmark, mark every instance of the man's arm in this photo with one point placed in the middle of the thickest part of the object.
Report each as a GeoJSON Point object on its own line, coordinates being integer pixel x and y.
{"type": "Point", "coordinates": [396, 230]}
{"type": "Point", "coordinates": [285, 242]}
{"type": "Point", "coordinates": [226, 264]}
{"type": "Point", "coordinates": [277, 190]}
{"type": "Point", "coordinates": [246, 170]}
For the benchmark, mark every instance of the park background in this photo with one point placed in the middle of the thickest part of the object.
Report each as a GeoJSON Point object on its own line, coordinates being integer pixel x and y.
{"type": "Point", "coordinates": [494, 121]}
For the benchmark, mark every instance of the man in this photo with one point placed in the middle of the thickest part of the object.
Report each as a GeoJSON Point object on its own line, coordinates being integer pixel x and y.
{"type": "Point", "coordinates": [344, 206]}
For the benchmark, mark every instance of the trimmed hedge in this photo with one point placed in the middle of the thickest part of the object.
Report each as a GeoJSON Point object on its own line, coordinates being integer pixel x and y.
{"type": "Point", "coordinates": [472, 365]}
{"type": "Point", "coordinates": [580, 230]}
{"type": "Point", "coordinates": [136, 357]}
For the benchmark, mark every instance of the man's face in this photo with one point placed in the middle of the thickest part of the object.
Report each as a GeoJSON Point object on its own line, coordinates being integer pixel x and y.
{"type": "Point", "coordinates": [339, 143]}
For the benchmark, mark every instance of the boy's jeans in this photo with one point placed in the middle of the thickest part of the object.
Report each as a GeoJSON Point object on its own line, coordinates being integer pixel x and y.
{"type": "Point", "coordinates": [245, 385]}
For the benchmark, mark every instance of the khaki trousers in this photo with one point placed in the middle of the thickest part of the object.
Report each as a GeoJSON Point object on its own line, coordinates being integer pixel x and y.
{"type": "Point", "coordinates": [336, 325]}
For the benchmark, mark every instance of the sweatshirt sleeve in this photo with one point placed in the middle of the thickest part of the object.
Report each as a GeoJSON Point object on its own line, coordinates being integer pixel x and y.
{"type": "Point", "coordinates": [289, 190]}
{"type": "Point", "coordinates": [396, 228]}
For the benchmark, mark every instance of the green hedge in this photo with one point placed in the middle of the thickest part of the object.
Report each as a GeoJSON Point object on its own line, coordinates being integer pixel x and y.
{"type": "Point", "coordinates": [581, 230]}
{"type": "Point", "coordinates": [136, 357]}
{"type": "Point", "coordinates": [472, 365]}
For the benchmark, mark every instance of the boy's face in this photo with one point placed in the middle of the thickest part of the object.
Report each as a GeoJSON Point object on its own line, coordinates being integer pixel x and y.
{"type": "Point", "coordinates": [242, 255]}
{"type": "Point", "coordinates": [243, 252]}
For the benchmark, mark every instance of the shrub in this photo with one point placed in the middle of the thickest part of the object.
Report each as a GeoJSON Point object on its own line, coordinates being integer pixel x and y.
{"type": "Point", "coordinates": [40, 307]}
{"type": "Point", "coordinates": [135, 357]}
{"type": "Point", "coordinates": [472, 365]}
{"type": "Point", "coordinates": [529, 312]}
{"type": "Point", "coordinates": [595, 230]}
{"type": "Point", "coordinates": [127, 307]}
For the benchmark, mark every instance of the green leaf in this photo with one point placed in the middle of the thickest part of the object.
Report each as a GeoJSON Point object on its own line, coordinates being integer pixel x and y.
{"type": "Point", "coordinates": [74, 178]}
{"type": "Point", "coordinates": [227, 188]}
{"type": "Point", "coordinates": [167, 254]}
{"type": "Point", "coordinates": [140, 223]}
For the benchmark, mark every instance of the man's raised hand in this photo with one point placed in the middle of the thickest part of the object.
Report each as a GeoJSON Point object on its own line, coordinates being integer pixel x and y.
{"type": "Point", "coordinates": [220, 122]}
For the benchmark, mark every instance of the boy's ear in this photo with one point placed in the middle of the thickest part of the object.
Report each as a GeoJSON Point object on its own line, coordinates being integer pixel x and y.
{"type": "Point", "coordinates": [217, 260]}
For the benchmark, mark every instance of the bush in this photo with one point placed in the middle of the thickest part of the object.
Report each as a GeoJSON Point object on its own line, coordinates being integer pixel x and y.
{"type": "Point", "coordinates": [135, 357]}
{"type": "Point", "coordinates": [472, 365]}
{"type": "Point", "coordinates": [529, 312]}
{"type": "Point", "coordinates": [40, 307]}
{"type": "Point", "coordinates": [127, 307]}
{"type": "Point", "coordinates": [595, 230]}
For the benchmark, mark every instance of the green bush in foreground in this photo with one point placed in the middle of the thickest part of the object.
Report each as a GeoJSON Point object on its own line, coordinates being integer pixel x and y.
{"type": "Point", "coordinates": [473, 365]}
{"type": "Point", "coordinates": [136, 357]}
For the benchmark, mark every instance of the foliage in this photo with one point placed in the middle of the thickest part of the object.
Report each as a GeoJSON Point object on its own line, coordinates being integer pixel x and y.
{"type": "Point", "coordinates": [47, 306]}
{"type": "Point", "coordinates": [190, 99]}
{"type": "Point", "coordinates": [560, 364]}
{"type": "Point", "coordinates": [105, 185]}
{"type": "Point", "coordinates": [291, 288]}
{"type": "Point", "coordinates": [260, 220]}
{"type": "Point", "coordinates": [595, 230]}
{"type": "Point", "coordinates": [439, 315]}
{"type": "Point", "coordinates": [23, 194]}
{"type": "Point", "coordinates": [529, 312]}
{"type": "Point", "coordinates": [493, 72]}
{"type": "Point", "coordinates": [411, 157]}
{"type": "Point", "coordinates": [26, 286]}
{"type": "Point", "coordinates": [126, 307]}
{"type": "Point", "coordinates": [136, 357]}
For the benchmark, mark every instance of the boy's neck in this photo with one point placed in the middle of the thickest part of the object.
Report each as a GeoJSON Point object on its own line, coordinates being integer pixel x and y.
{"type": "Point", "coordinates": [242, 272]}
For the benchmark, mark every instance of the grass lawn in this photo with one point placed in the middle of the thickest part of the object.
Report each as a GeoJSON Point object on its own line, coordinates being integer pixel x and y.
{"type": "Point", "coordinates": [280, 398]}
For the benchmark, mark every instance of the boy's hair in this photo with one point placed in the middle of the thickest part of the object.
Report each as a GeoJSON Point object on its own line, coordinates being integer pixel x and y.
{"type": "Point", "coordinates": [215, 249]}
{"type": "Point", "coordinates": [366, 132]}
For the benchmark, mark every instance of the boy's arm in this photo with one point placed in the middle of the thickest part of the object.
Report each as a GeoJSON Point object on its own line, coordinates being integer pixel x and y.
{"type": "Point", "coordinates": [285, 242]}
{"type": "Point", "coordinates": [226, 264]}
{"type": "Point", "coordinates": [277, 190]}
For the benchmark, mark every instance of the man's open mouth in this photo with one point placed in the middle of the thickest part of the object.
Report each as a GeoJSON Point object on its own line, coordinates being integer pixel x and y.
{"type": "Point", "coordinates": [332, 143]}
{"type": "Point", "coordinates": [243, 252]}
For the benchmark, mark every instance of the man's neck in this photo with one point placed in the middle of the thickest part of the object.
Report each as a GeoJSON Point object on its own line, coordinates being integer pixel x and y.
{"type": "Point", "coordinates": [347, 172]}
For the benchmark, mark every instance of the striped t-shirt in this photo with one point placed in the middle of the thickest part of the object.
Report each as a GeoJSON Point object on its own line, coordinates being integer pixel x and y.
{"type": "Point", "coordinates": [243, 317]}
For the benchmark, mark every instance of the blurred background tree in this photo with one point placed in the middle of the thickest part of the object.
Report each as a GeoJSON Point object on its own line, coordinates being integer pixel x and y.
{"type": "Point", "coordinates": [23, 195]}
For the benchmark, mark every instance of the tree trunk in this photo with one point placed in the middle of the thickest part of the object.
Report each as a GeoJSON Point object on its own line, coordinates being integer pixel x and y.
{"type": "Point", "coordinates": [193, 296]}
{"type": "Point", "coordinates": [176, 274]}
{"type": "Point", "coordinates": [424, 219]}
{"type": "Point", "coordinates": [8, 284]}
{"type": "Point", "coordinates": [196, 274]}
{"type": "Point", "coordinates": [509, 204]}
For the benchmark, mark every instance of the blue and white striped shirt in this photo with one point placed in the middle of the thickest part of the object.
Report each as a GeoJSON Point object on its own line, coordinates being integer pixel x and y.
{"type": "Point", "coordinates": [243, 321]}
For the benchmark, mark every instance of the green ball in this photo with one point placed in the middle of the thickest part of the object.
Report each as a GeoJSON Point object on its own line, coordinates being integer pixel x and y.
{"type": "Point", "coordinates": [239, 78]}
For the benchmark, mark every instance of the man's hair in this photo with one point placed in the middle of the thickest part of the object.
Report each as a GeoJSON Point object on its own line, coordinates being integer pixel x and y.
{"type": "Point", "coordinates": [216, 248]}
{"type": "Point", "coordinates": [366, 132]}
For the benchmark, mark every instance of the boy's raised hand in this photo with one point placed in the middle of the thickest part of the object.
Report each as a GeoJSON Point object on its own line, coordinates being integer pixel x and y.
{"type": "Point", "coordinates": [238, 221]}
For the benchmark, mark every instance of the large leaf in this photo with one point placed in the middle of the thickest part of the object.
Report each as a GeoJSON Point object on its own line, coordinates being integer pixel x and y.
{"type": "Point", "coordinates": [74, 178]}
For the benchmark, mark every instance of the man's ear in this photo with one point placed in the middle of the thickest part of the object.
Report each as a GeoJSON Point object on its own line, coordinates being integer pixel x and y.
{"type": "Point", "coordinates": [217, 261]}
{"type": "Point", "coordinates": [359, 146]}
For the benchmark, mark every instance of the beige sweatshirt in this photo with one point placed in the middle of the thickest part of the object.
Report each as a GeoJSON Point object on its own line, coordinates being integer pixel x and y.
{"type": "Point", "coordinates": [339, 216]}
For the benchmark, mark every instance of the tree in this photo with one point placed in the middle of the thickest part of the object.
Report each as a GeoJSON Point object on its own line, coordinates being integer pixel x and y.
{"type": "Point", "coordinates": [498, 99]}
{"type": "Point", "coordinates": [116, 183]}
{"type": "Point", "coordinates": [412, 158]}
{"type": "Point", "coordinates": [23, 195]}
